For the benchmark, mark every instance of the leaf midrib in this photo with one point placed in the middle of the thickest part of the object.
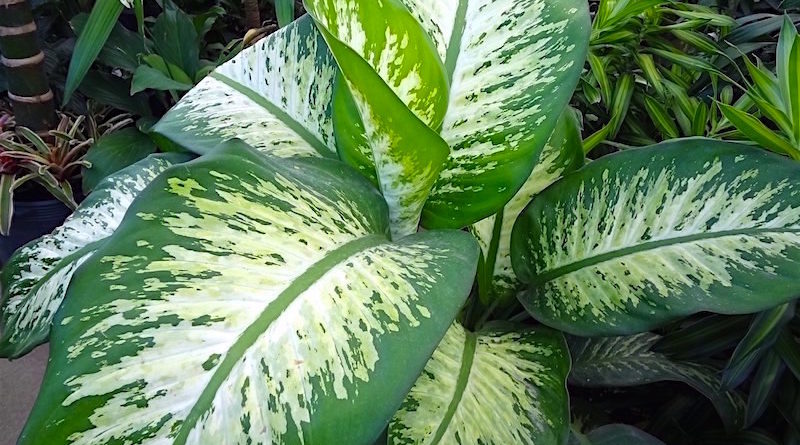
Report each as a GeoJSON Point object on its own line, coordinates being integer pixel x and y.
{"type": "Point", "coordinates": [276, 111]}
{"type": "Point", "coordinates": [270, 314]}
{"type": "Point", "coordinates": [549, 275]}
{"type": "Point", "coordinates": [467, 357]}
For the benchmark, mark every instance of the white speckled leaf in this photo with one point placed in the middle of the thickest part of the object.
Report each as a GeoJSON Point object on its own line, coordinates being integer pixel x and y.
{"type": "Point", "coordinates": [391, 93]}
{"type": "Point", "coordinates": [496, 387]}
{"type": "Point", "coordinates": [645, 236]}
{"type": "Point", "coordinates": [630, 361]}
{"type": "Point", "coordinates": [249, 299]}
{"type": "Point", "coordinates": [563, 153]}
{"type": "Point", "coordinates": [510, 65]}
{"type": "Point", "coordinates": [275, 95]}
{"type": "Point", "coordinates": [37, 276]}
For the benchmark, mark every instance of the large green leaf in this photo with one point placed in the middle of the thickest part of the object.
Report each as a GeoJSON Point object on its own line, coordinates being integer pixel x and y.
{"type": "Point", "coordinates": [494, 387]}
{"type": "Point", "coordinates": [562, 153]}
{"type": "Point", "coordinates": [649, 235]}
{"type": "Point", "coordinates": [510, 66]}
{"type": "Point", "coordinates": [630, 361]}
{"type": "Point", "coordinates": [36, 278]}
{"type": "Point", "coordinates": [249, 299]}
{"type": "Point", "coordinates": [275, 95]}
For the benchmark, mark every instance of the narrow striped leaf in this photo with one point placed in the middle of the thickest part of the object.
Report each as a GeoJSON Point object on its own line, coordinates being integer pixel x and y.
{"type": "Point", "coordinates": [615, 434]}
{"type": "Point", "coordinates": [757, 132]}
{"type": "Point", "coordinates": [762, 334]}
{"type": "Point", "coordinates": [494, 387]}
{"type": "Point", "coordinates": [249, 299]}
{"type": "Point", "coordinates": [703, 338]}
{"type": "Point", "coordinates": [765, 382]}
{"type": "Point", "coordinates": [284, 11]}
{"type": "Point", "coordinates": [275, 95]}
{"type": "Point", "coordinates": [563, 153]}
{"type": "Point", "coordinates": [645, 236]}
{"type": "Point", "coordinates": [37, 276]}
{"type": "Point", "coordinates": [90, 42]}
{"type": "Point", "coordinates": [510, 67]}
{"type": "Point", "coordinates": [630, 361]}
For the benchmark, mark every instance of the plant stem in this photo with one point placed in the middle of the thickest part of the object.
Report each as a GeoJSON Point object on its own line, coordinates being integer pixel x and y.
{"type": "Point", "coordinates": [23, 60]}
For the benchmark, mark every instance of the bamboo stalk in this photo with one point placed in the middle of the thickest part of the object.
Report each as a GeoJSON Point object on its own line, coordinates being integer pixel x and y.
{"type": "Point", "coordinates": [28, 88]}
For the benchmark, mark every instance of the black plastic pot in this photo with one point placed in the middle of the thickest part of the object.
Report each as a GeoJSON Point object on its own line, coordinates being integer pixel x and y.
{"type": "Point", "coordinates": [31, 220]}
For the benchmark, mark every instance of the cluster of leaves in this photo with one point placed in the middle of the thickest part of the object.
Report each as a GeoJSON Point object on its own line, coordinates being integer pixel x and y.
{"type": "Point", "coordinates": [277, 288]}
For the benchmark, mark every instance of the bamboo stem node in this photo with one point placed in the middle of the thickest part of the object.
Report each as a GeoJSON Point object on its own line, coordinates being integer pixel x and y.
{"type": "Point", "coordinates": [17, 30]}
{"type": "Point", "coordinates": [16, 63]}
{"type": "Point", "coordinates": [41, 98]}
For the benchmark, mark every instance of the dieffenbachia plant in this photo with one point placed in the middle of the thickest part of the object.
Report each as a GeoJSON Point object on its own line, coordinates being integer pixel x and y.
{"type": "Point", "coordinates": [268, 292]}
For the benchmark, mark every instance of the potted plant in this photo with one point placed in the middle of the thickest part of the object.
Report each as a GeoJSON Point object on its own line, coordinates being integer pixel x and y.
{"type": "Point", "coordinates": [36, 179]}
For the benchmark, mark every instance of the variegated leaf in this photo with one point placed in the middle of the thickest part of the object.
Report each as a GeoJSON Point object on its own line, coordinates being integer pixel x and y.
{"type": "Point", "coordinates": [393, 91]}
{"type": "Point", "coordinates": [275, 95]}
{"type": "Point", "coordinates": [249, 299]}
{"type": "Point", "coordinates": [38, 275]}
{"type": "Point", "coordinates": [630, 361]}
{"type": "Point", "coordinates": [494, 387]}
{"type": "Point", "coordinates": [511, 67]}
{"type": "Point", "coordinates": [649, 235]}
{"type": "Point", "coordinates": [563, 153]}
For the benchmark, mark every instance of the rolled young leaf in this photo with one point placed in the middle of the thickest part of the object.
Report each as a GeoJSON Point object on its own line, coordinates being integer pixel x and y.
{"type": "Point", "coordinates": [36, 278]}
{"type": "Point", "coordinates": [493, 387]}
{"type": "Point", "coordinates": [649, 235]}
{"type": "Point", "coordinates": [511, 67]}
{"type": "Point", "coordinates": [630, 361]}
{"type": "Point", "coordinates": [395, 80]}
{"type": "Point", "coordinates": [275, 95]}
{"type": "Point", "coordinates": [249, 299]}
{"type": "Point", "coordinates": [563, 153]}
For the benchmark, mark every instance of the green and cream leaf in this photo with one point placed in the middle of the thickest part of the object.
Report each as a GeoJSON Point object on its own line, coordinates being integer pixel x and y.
{"type": "Point", "coordinates": [493, 387]}
{"type": "Point", "coordinates": [563, 153]}
{"type": "Point", "coordinates": [511, 67]}
{"type": "Point", "coordinates": [630, 361]}
{"type": "Point", "coordinates": [275, 95]}
{"type": "Point", "coordinates": [247, 298]}
{"type": "Point", "coordinates": [645, 236]}
{"type": "Point", "coordinates": [36, 278]}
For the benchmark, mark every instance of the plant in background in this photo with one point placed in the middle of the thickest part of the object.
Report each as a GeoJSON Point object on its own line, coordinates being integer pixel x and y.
{"type": "Point", "coordinates": [26, 156]}
{"type": "Point", "coordinates": [775, 97]}
{"type": "Point", "coordinates": [278, 289]}
{"type": "Point", "coordinates": [23, 62]}
{"type": "Point", "coordinates": [656, 69]}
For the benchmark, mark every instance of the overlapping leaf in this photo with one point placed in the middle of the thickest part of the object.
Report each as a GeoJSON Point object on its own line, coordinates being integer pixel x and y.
{"type": "Point", "coordinates": [247, 299]}
{"type": "Point", "coordinates": [630, 361]}
{"type": "Point", "coordinates": [510, 66]}
{"type": "Point", "coordinates": [37, 277]}
{"type": "Point", "coordinates": [276, 96]}
{"type": "Point", "coordinates": [562, 153]}
{"type": "Point", "coordinates": [645, 236]}
{"type": "Point", "coordinates": [492, 387]}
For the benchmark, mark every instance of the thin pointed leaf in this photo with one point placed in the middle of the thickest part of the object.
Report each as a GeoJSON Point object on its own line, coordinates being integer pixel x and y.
{"type": "Point", "coordinates": [36, 277]}
{"type": "Point", "coordinates": [90, 42]}
{"type": "Point", "coordinates": [765, 382]}
{"type": "Point", "coordinates": [639, 238]}
{"type": "Point", "coordinates": [762, 334]}
{"type": "Point", "coordinates": [284, 11]}
{"type": "Point", "coordinates": [756, 131]}
{"type": "Point", "coordinates": [249, 299]}
{"type": "Point", "coordinates": [783, 54]}
{"type": "Point", "coordinates": [491, 387]}
{"type": "Point", "coordinates": [6, 203]}
{"type": "Point", "coordinates": [630, 361]}
{"type": "Point", "coordinates": [275, 95]}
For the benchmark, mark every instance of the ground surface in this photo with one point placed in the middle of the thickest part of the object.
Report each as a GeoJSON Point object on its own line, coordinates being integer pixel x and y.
{"type": "Point", "coordinates": [19, 383]}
